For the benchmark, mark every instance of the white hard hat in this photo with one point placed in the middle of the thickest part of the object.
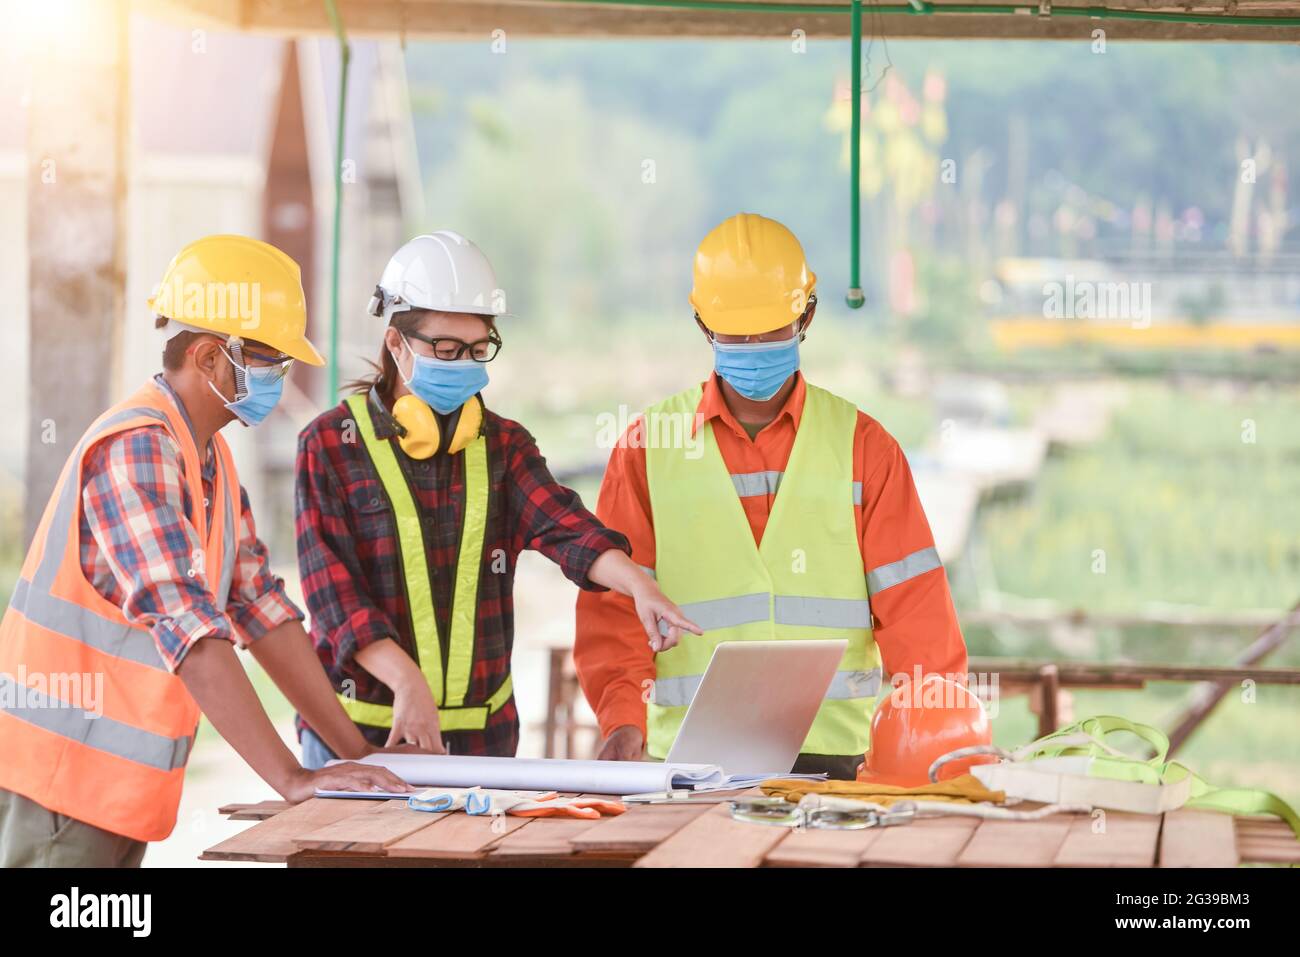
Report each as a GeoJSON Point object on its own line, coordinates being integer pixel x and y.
{"type": "Point", "coordinates": [442, 271]}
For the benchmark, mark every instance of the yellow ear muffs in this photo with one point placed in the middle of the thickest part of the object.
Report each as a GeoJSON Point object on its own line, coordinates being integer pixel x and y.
{"type": "Point", "coordinates": [469, 426]}
{"type": "Point", "coordinates": [423, 436]}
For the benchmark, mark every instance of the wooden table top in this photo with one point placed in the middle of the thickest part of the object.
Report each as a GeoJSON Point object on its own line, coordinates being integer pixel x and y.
{"type": "Point", "coordinates": [343, 833]}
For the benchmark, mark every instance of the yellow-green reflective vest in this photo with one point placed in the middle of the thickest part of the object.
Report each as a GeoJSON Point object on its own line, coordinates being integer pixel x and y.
{"type": "Point", "coordinates": [450, 688]}
{"type": "Point", "coordinates": [805, 580]}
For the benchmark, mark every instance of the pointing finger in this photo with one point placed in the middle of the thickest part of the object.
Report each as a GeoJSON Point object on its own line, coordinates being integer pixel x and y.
{"type": "Point", "coordinates": [677, 618]}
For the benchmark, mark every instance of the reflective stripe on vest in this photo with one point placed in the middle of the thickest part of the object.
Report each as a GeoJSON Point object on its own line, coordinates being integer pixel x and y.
{"type": "Point", "coordinates": [804, 580]}
{"type": "Point", "coordinates": [91, 729]}
{"type": "Point", "coordinates": [785, 610]}
{"type": "Point", "coordinates": [469, 718]}
{"type": "Point", "coordinates": [449, 690]}
{"type": "Point", "coordinates": [756, 483]}
{"type": "Point", "coordinates": [92, 724]}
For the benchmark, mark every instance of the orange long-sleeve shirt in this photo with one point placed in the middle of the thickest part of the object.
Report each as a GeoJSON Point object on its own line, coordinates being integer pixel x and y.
{"type": "Point", "coordinates": [915, 623]}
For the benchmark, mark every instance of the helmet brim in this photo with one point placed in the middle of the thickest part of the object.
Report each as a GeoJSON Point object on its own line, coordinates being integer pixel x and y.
{"type": "Point", "coordinates": [890, 780]}
{"type": "Point", "coordinates": [303, 351]}
{"type": "Point", "coordinates": [747, 322]}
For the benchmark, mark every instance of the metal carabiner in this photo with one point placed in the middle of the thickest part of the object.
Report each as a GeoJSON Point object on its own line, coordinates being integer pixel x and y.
{"type": "Point", "coordinates": [841, 814]}
{"type": "Point", "coordinates": [766, 810]}
{"type": "Point", "coordinates": [836, 814]}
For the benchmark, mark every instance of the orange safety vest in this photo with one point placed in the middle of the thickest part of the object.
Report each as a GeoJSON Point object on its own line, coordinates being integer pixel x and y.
{"type": "Point", "coordinates": [114, 755]}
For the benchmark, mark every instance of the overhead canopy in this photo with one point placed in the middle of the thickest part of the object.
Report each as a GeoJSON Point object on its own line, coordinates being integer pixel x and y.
{"type": "Point", "coordinates": [464, 19]}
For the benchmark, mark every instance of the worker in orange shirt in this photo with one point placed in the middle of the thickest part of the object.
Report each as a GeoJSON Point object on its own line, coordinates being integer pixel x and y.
{"type": "Point", "coordinates": [844, 551]}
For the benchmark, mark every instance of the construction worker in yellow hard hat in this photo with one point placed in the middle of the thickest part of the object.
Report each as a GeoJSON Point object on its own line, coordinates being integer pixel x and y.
{"type": "Point", "coordinates": [147, 548]}
{"type": "Point", "coordinates": [782, 513]}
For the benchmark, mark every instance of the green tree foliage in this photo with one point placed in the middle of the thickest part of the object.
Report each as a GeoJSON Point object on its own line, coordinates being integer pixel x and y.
{"type": "Point", "coordinates": [739, 125]}
{"type": "Point", "coordinates": [575, 207]}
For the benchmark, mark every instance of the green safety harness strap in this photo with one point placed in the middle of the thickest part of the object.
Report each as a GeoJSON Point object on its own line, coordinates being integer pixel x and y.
{"type": "Point", "coordinates": [1086, 738]}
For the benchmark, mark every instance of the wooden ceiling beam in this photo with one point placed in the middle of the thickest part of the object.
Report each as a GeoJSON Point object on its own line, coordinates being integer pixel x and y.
{"type": "Point", "coordinates": [468, 19]}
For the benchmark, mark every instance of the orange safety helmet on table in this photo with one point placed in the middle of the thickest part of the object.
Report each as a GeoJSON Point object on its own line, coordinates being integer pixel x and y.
{"type": "Point", "coordinates": [920, 722]}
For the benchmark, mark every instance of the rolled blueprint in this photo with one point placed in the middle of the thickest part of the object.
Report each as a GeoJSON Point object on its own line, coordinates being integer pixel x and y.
{"type": "Point", "coordinates": [544, 774]}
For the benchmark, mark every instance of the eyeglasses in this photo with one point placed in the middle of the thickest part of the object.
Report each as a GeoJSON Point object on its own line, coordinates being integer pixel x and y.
{"type": "Point", "coordinates": [820, 812]}
{"type": "Point", "coordinates": [450, 349]}
{"type": "Point", "coordinates": [275, 364]}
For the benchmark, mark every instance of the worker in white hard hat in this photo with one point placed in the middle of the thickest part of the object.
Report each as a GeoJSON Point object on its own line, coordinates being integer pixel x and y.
{"type": "Point", "coordinates": [413, 503]}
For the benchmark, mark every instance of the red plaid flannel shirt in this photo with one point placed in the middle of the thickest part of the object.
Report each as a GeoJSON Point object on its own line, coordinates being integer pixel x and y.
{"type": "Point", "coordinates": [352, 576]}
{"type": "Point", "coordinates": [137, 536]}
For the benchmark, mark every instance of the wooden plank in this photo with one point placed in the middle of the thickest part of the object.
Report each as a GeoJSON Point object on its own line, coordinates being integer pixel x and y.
{"type": "Point", "coordinates": [1205, 697]}
{"type": "Point", "coordinates": [818, 847]}
{"type": "Point", "coordinates": [1015, 843]}
{"type": "Point", "coordinates": [458, 19]}
{"type": "Point", "coordinates": [458, 836]}
{"type": "Point", "coordinates": [543, 837]}
{"type": "Point", "coordinates": [713, 839]}
{"type": "Point", "coordinates": [642, 828]}
{"type": "Point", "coordinates": [253, 812]}
{"type": "Point", "coordinates": [1268, 852]}
{"type": "Point", "coordinates": [345, 860]}
{"type": "Point", "coordinates": [1266, 840]}
{"type": "Point", "coordinates": [1263, 827]}
{"type": "Point", "coordinates": [1198, 839]}
{"type": "Point", "coordinates": [928, 842]}
{"type": "Point", "coordinates": [369, 832]}
{"type": "Point", "coordinates": [272, 841]}
{"type": "Point", "coordinates": [1128, 840]}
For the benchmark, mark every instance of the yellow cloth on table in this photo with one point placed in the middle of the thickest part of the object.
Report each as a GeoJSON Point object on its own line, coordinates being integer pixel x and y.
{"type": "Point", "coordinates": [965, 789]}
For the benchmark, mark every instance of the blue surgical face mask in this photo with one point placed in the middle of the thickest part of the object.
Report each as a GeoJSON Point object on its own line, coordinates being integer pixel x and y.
{"type": "Point", "coordinates": [444, 384]}
{"type": "Point", "coordinates": [757, 370]}
{"type": "Point", "coordinates": [263, 386]}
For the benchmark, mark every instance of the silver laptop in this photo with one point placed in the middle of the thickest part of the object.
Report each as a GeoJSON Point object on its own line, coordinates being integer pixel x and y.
{"type": "Point", "coordinates": [755, 704]}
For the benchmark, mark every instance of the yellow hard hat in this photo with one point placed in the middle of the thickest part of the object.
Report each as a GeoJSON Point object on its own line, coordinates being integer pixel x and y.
{"type": "Point", "coordinates": [750, 276]}
{"type": "Point", "coordinates": [238, 286]}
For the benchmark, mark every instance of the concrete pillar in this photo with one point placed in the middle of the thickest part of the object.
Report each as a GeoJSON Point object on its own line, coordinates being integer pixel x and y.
{"type": "Point", "coordinates": [76, 213]}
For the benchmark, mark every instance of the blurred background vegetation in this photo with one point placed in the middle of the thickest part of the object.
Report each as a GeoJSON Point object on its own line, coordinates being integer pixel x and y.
{"type": "Point", "coordinates": [589, 171]}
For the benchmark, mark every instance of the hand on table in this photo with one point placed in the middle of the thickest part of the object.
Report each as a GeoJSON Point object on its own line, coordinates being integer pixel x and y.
{"type": "Point", "coordinates": [405, 747]}
{"type": "Point", "coordinates": [415, 718]}
{"type": "Point", "coordinates": [349, 776]}
{"type": "Point", "coordinates": [625, 744]}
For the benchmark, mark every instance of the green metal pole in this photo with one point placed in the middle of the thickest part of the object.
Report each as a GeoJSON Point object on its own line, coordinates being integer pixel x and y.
{"type": "Point", "coordinates": [855, 296]}
{"type": "Point", "coordinates": [345, 58]}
